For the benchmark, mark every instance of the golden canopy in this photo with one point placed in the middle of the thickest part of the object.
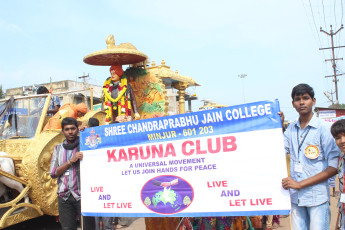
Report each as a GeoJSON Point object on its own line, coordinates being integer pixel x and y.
{"type": "Point", "coordinates": [122, 54]}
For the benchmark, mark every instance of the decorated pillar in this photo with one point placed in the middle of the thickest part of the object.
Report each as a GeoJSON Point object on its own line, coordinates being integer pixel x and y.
{"type": "Point", "coordinates": [181, 87]}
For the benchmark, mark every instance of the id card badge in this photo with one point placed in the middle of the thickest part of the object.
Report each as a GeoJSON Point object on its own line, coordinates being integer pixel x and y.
{"type": "Point", "coordinates": [67, 172]}
{"type": "Point", "coordinates": [342, 198]}
{"type": "Point", "coordinates": [298, 168]}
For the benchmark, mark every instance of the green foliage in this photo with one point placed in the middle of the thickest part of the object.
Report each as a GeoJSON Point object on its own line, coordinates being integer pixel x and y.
{"type": "Point", "coordinates": [2, 93]}
{"type": "Point", "coordinates": [135, 72]}
{"type": "Point", "coordinates": [341, 106]}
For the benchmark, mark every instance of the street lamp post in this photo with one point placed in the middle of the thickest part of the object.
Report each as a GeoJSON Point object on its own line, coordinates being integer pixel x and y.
{"type": "Point", "coordinates": [242, 76]}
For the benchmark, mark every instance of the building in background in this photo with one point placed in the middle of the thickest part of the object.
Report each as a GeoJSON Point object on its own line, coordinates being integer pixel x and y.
{"type": "Point", "coordinates": [330, 115]}
{"type": "Point", "coordinates": [175, 85]}
{"type": "Point", "coordinates": [62, 86]}
{"type": "Point", "coordinates": [208, 104]}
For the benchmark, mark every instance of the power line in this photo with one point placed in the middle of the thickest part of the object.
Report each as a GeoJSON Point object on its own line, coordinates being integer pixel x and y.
{"type": "Point", "coordinates": [341, 23]}
{"type": "Point", "coordinates": [333, 60]}
{"type": "Point", "coordinates": [315, 27]}
{"type": "Point", "coordinates": [335, 15]}
{"type": "Point", "coordinates": [317, 32]}
{"type": "Point", "coordinates": [324, 15]}
{"type": "Point", "coordinates": [342, 11]}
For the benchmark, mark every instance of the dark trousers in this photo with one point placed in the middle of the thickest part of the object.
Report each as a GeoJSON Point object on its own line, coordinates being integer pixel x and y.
{"type": "Point", "coordinates": [68, 211]}
{"type": "Point", "coordinates": [106, 221]}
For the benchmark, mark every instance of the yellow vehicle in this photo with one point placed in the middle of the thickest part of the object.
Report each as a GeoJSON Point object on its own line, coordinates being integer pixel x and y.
{"type": "Point", "coordinates": [21, 123]}
{"type": "Point", "coordinates": [23, 139]}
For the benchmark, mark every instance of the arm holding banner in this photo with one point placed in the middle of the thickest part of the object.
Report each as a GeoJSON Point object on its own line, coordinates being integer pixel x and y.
{"type": "Point", "coordinates": [282, 118]}
{"type": "Point", "coordinates": [288, 182]}
{"type": "Point", "coordinates": [62, 168]}
{"type": "Point", "coordinates": [331, 154]}
{"type": "Point", "coordinates": [55, 169]}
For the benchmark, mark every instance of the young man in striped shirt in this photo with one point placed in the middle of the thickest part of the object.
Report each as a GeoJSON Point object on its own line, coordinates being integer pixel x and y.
{"type": "Point", "coordinates": [65, 166]}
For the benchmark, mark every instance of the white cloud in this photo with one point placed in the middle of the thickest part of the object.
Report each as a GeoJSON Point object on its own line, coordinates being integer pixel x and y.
{"type": "Point", "coordinates": [8, 27]}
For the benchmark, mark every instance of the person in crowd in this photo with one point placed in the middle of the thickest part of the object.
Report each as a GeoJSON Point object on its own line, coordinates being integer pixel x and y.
{"type": "Point", "coordinates": [272, 222]}
{"type": "Point", "coordinates": [276, 221]}
{"type": "Point", "coordinates": [338, 132]}
{"type": "Point", "coordinates": [162, 223]}
{"type": "Point", "coordinates": [67, 110]}
{"type": "Point", "coordinates": [226, 222]}
{"type": "Point", "coordinates": [93, 122]}
{"type": "Point", "coordinates": [54, 104]}
{"type": "Point", "coordinates": [313, 160]}
{"type": "Point", "coordinates": [65, 166]}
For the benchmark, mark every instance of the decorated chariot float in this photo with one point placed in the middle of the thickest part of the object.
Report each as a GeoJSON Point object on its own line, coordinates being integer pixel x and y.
{"type": "Point", "coordinates": [27, 143]}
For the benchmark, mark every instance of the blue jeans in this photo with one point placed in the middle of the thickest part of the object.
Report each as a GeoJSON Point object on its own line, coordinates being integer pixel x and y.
{"type": "Point", "coordinates": [314, 218]}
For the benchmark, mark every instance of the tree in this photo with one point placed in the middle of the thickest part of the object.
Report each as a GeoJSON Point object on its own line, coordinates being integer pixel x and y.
{"type": "Point", "coordinates": [341, 106]}
{"type": "Point", "coordinates": [2, 94]}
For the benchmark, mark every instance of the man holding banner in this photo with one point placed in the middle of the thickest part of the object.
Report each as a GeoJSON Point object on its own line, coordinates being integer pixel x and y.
{"type": "Point", "coordinates": [313, 159]}
{"type": "Point", "coordinates": [187, 165]}
{"type": "Point", "coordinates": [65, 166]}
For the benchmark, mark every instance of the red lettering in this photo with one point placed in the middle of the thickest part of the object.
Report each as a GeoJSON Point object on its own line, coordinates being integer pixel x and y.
{"type": "Point", "coordinates": [209, 145]}
{"type": "Point", "coordinates": [262, 201]}
{"type": "Point", "coordinates": [158, 151]}
{"type": "Point", "coordinates": [184, 151]}
{"type": "Point", "coordinates": [133, 152]}
{"type": "Point", "coordinates": [109, 205]}
{"type": "Point", "coordinates": [124, 205]}
{"type": "Point", "coordinates": [111, 155]}
{"type": "Point", "coordinates": [231, 204]}
{"type": "Point", "coordinates": [123, 155]}
{"type": "Point", "coordinates": [170, 150]}
{"type": "Point", "coordinates": [229, 141]}
{"type": "Point", "coordinates": [214, 184]}
{"type": "Point", "coordinates": [97, 189]}
{"type": "Point", "coordinates": [269, 201]}
{"type": "Point", "coordinates": [238, 202]}
{"type": "Point", "coordinates": [198, 150]}
{"type": "Point", "coordinates": [142, 156]}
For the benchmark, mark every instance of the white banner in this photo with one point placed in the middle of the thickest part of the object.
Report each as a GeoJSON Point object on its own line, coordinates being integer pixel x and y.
{"type": "Point", "coordinates": [218, 174]}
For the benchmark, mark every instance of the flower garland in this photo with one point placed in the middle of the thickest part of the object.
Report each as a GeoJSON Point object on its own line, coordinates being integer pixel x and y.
{"type": "Point", "coordinates": [119, 104]}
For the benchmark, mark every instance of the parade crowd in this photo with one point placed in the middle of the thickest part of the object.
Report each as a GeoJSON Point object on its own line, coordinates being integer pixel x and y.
{"type": "Point", "coordinates": [314, 149]}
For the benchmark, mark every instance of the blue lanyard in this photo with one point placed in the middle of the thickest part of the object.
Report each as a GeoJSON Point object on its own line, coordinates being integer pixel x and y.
{"type": "Point", "coordinates": [300, 144]}
{"type": "Point", "coordinates": [68, 156]}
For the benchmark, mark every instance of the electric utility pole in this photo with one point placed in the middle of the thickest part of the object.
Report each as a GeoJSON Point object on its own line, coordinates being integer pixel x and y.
{"type": "Point", "coordinates": [84, 77]}
{"type": "Point", "coordinates": [331, 33]}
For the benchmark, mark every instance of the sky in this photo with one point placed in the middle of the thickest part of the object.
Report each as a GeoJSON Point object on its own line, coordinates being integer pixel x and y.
{"type": "Point", "coordinates": [275, 43]}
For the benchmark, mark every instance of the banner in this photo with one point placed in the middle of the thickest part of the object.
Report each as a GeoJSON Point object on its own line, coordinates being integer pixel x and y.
{"type": "Point", "coordinates": [220, 162]}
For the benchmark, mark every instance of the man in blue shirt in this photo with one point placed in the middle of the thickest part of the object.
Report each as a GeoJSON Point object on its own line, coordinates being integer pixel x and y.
{"type": "Point", "coordinates": [54, 104]}
{"type": "Point", "coordinates": [313, 159]}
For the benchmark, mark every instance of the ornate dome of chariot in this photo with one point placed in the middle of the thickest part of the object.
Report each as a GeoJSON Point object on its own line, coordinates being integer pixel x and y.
{"type": "Point", "coordinates": [122, 54]}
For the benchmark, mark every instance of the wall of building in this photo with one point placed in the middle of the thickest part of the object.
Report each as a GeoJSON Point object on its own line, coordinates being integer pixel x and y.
{"type": "Point", "coordinates": [59, 87]}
